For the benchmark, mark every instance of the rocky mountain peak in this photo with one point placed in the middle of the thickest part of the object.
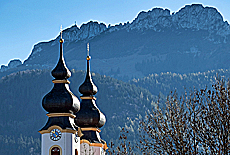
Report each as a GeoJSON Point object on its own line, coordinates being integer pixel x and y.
{"type": "Point", "coordinates": [194, 16]}
{"type": "Point", "coordinates": [12, 64]}
{"type": "Point", "coordinates": [198, 17]}
{"type": "Point", "coordinates": [86, 31]}
{"type": "Point", "coordinates": [153, 14]}
{"type": "Point", "coordinates": [150, 19]}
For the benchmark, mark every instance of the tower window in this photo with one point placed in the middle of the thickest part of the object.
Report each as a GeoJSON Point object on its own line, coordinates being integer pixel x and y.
{"type": "Point", "coordinates": [76, 152]}
{"type": "Point", "coordinates": [55, 151]}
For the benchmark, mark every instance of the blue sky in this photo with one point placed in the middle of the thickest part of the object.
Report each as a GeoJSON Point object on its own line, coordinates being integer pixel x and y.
{"type": "Point", "coordinates": [24, 23]}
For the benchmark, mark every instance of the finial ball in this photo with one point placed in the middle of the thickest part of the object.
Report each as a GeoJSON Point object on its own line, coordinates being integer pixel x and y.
{"type": "Point", "coordinates": [61, 40]}
{"type": "Point", "coordinates": [88, 58]}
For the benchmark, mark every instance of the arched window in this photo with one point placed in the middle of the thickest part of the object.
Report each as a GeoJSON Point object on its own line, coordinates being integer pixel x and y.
{"type": "Point", "coordinates": [55, 151]}
{"type": "Point", "coordinates": [76, 152]}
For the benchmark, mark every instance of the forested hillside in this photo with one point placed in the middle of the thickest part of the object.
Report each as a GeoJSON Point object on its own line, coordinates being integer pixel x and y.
{"type": "Point", "coordinates": [163, 83]}
{"type": "Point", "coordinates": [22, 114]}
{"type": "Point", "coordinates": [124, 104]}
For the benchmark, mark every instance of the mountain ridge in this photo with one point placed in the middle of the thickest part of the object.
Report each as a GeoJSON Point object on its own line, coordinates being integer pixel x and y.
{"type": "Point", "coordinates": [191, 16]}
{"type": "Point", "coordinates": [194, 34]}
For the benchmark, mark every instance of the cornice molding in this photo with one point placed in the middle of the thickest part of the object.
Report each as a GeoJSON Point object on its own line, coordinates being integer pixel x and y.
{"type": "Point", "coordinates": [57, 127]}
{"type": "Point", "coordinates": [60, 114]}
{"type": "Point", "coordinates": [91, 129]}
{"type": "Point", "coordinates": [88, 97]}
{"type": "Point", "coordinates": [61, 81]}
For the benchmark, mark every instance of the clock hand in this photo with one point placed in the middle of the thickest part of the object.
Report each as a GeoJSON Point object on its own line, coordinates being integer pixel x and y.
{"type": "Point", "coordinates": [54, 133]}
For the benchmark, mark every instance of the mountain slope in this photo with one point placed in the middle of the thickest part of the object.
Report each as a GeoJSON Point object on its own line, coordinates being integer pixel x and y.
{"type": "Point", "coordinates": [193, 39]}
{"type": "Point", "coordinates": [163, 83]}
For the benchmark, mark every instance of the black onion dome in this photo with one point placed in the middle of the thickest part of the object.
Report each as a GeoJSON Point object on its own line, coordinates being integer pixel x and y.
{"type": "Point", "coordinates": [89, 115]}
{"type": "Point", "coordinates": [61, 72]}
{"type": "Point", "coordinates": [88, 88]}
{"type": "Point", "coordinates": [60, 99]}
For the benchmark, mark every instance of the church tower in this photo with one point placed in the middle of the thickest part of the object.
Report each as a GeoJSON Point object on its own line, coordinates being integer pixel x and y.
{"type": "Point", "coordinates": [89, 118]}
{"type": "Point", "coordinates": [60, 135]}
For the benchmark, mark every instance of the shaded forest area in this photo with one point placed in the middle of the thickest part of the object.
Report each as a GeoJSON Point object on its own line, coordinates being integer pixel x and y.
{"type": "Point", "coordinates": [22, 114]}
{"type": "Point", "coordinates": [124, 104]}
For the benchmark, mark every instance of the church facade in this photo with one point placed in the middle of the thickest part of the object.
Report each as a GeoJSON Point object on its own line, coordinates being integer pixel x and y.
{"type": "Point", "coordinates": [73, 126]}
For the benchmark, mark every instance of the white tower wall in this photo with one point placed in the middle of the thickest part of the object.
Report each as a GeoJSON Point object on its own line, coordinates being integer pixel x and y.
{"type": "Point", "coordinates": [67, 144]}
{"type": "Point", "coordinates": [87, 149]}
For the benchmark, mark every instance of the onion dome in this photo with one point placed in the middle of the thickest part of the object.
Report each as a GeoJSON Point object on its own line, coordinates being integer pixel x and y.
{"type": "Point", "coordinates": [60, 99]}
{"type": "Point", "coordinates": [61, 72]}
{"type": "Point", "coordinates": [88, 88]}
{"type": "Point", "coordinates": [89, 114]}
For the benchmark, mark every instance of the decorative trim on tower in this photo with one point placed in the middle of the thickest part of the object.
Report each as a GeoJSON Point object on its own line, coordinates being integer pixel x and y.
{"type": "Point", "coordinates": [88, 97]}
{"type": "Point", "coordinates": [91, 129]}
{"type": "Point", "coordinates": [60, 114]}
{"type": "Point", "coordinates": [58, 127]}
{"type": "Point", "coordinates": [61, 81]}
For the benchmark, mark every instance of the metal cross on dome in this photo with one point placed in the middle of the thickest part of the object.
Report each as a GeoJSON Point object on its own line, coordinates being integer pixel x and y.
{"type": "Point", "coordinates": [87, 49]}
{"type": "Point", "coordinates": [88, 57]}
{"type": "Point", "coordinates": [61, 30]}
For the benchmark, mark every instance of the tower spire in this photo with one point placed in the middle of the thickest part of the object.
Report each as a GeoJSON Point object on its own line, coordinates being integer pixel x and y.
{"type": "Point", "coordinates": [90, 118]}
{"type": "Point", "coordinates": [61, 104]}
{"type": "Point", "coordinates": [60, 99]}
{"type": "Point", "coordinates": [61, 72]}
{"type": "Point", "coordinates": [88, 88]}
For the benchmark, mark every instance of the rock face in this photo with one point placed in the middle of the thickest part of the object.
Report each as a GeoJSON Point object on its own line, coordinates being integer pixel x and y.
{"type": "Point", "coordinates": [86, 31]}
{"type": "Point", "coordinates": [12, 64]}
{"type": "Point", "coordinates": [3, 68]}
{"type": "Point", "coordinates": [193, 16]}
{"type": "Point", "coordinates": [195, 37]}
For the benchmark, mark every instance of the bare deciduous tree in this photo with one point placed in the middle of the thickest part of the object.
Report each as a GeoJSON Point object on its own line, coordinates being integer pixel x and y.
{"type": "Point", "coordinates": [197, 123]}
{"type": "Point", "coordinates": [125, 147]}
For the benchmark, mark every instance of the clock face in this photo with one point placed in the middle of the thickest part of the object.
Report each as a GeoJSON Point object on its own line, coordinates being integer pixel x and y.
{"type": "Point", "coordinates": [55, 134]}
